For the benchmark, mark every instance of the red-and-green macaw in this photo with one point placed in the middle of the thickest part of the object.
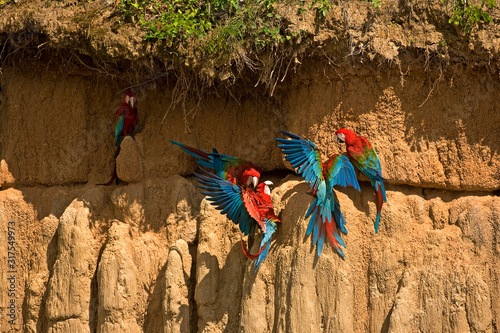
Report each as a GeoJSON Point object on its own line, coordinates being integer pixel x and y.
{"type": "Point", "coordinates": [326, 216]}
{"type": "Point", "coordinates": [365, 158]}
{"type": "Point", "coordinates": [126, 118]}
{"type": "Point", "coordinates": [235, 170]}
{"type": "Point", "coordinates": [126, 123]}
{"type": "Point", "coordinates": [244, 206]}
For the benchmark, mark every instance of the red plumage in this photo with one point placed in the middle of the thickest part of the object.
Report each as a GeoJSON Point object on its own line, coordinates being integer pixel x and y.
{"type": "Point", "coordinates": [126, 123]}
{"type": "Point", "coordinates": [260, 207]}
{"type": "Point", "coordinates": [365, 158]}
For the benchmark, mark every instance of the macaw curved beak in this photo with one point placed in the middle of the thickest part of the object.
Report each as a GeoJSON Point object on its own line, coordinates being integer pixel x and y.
{"type": "Point", "coordinates": [254, 182]}
{"type": "Point", "coordinates": [131, 102]}
{"type": "Point", "coordinates": [339, 138]}
{"type": "Point", "coordinates": [269, 183]}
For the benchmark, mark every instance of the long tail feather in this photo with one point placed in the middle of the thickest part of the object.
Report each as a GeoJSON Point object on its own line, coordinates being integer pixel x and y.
{"type": "Point", "coordinates": [198, 153]}
{"type": "Point", "coordinates": [332, 232]}
{"type": "Point", "coordinates": [321, 226]}
{"type": "Point", "coordinates": [380, 193]}
{"type": "Point", "coordinates": [247, 253]}
{"type": "Point", "coordinates": [262, 255]}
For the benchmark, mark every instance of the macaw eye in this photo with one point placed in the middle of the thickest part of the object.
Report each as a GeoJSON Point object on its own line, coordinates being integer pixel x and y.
{"type": "Point", "coordinates": [340, 138]}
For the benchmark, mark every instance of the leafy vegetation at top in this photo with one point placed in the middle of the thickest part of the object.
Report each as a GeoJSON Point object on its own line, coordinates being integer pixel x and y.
{"type": "Point", "coordinates": [217, 26]}
{"type": "Point", "coordinates": [226, 27]}
{"type": "Point", "coordinates": [215, 23]}
{"type": "Point", "coordinates": [468, 15]}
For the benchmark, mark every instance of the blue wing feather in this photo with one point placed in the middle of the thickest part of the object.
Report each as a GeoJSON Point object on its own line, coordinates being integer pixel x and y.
{"type": "Point", "coordinates": [118, 129]}
{"type": "Point", "coordinates": [227, 198]}
{"type": "Point", "coordinates": [305, 158]}
{"type": "Point", "coordinates": [218, 162]}
{"type": "Point", "coordinates": [342, 173]}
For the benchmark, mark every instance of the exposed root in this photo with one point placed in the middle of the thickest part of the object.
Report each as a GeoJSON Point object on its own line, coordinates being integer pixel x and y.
{"type": "Point", "coordinates": [186, 88]}
{"type": "Point", "coordinates": [433, 87]}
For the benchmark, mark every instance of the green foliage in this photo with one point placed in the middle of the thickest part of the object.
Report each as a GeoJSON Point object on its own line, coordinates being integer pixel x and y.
{"type": "Point", "coordinates": [376, 3]}
{"type": "Point", "coordinates": [214, 26]}
{"type": "Point", "coordinates": [174, 20]}
{"type": "Point", "coordinates": [468, 16]}
{"type": "Point", "coordinates": [322, 8]}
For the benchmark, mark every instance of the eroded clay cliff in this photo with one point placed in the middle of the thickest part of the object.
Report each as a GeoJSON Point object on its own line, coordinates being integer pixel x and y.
{"type": "Point", "coordinates": [152, 255]}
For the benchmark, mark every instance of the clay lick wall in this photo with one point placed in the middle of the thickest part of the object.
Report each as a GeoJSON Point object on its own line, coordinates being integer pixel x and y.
{"type": "Point", "coordinates": [151, 255]}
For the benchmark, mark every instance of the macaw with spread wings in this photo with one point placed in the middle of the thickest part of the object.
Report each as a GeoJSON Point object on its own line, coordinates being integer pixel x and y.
{"type": "Point", "coordinates": [325, 215]}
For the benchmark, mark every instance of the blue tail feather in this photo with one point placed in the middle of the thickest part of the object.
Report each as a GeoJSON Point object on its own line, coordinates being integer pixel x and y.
{"type": "Point", "coordinates": [377, 220]}
{"type": "Point", "coordinates": [321, 241]}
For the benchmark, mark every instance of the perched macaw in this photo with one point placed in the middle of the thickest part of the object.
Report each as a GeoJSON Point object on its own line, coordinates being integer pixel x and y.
{"type": "Point", "coordinates": [126, 118]}
{"type": "Point", "coordinates": [235, 170]}
{"type": "Point", "coordinates": [244, 206]}
{"type": "Point", "coordinates": [326, 216]}
{"type": "Point", "coordinates": [126, 123]}
{"type": "Point", "coordinates": [365, 158]}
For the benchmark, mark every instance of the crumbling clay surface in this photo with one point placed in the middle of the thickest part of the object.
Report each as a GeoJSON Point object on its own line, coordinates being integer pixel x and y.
{"type": "Point", "coordinates": [151, 254]}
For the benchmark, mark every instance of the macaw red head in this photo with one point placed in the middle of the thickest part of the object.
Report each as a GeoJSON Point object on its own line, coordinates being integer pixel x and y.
{"type": "Point", "coordinates": [130, 99]}
{"type": "Point", "coordinates": [251, 178]}
{"type": "Point", "coordinates": [346, 136]}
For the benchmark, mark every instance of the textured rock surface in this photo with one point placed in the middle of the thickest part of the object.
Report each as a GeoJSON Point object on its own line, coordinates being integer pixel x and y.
{"type": "Point", "coordinates": [449, 142]}
{"type": "Point", "coordinates": [176, 306]}
{"type": "Point", "coordinates": [410, 276]}
{"type": "Point", "coordinates": [117, 281]}
{"type": "Point", "coordinates": [6, 178]}
{"type": "Point", "coordinates": [16, 217]}
{"type": "Point", "coordinates": [153, 255]}
{"type": "Point", "coordinates": [129, 204]}
{"type": "Point", "coordinates": [68, 299]}
{"type": "Point", "coordinates": [219, 272]}
{"type": "Point", "coordinates": [129, 161]}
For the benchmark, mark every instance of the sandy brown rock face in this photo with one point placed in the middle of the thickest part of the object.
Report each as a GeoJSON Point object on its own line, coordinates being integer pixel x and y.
{"type": "Point", "coordinates": [409, 276]}
{"type": "Point", "coordinates": [129, 279]}
{"type": "Point", "coordinates": [62, 163]}
{"type": "Point", "coordinates": [447, 142]}
{"type": "Point", "coordinates": [129, 161]}
{"type": "Point", "coordinates": [129, 204]}
{"type": "Point", "coordinates": [173, 205]}
{"type": "Point", "coordinates": [68, 299]}
{"type": "Point", "coordinates": [433, 266]}
{"type": "Point", "coordinates": [152, 255]}
{"type": "Point", "coordinates": [6, 178]}
{"type": "Point", "coordinates": [219, 272]}
{"type": "Point", "coordinates": [16, 217]}
{"type": "Point", "coordinates": [43, 256]}
{"type": "Point", "coordinates": [176, 303]}
{"type": "Point", "coordinates": [117, 282]}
